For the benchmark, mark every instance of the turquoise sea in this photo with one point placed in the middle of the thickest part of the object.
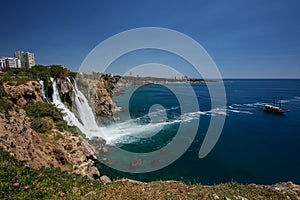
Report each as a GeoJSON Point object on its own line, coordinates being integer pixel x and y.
{"type": "Point", "coordinates": [254, 146]}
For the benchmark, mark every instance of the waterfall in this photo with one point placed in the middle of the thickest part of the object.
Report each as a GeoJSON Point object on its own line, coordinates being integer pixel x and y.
{"type": "Point", "coordinates": [84, 110]}
{"type": "Point", "coordinates": [86, 122]}
{"type": "Point", "coordinates": [43, 88]}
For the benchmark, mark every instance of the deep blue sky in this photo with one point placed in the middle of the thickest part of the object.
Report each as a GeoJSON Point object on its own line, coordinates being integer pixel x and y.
{"type": "Point", "coordinates": [249, 38]}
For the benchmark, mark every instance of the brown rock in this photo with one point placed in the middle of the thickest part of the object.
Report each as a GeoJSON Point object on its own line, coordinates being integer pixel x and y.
{"type": "Point", "coordinates": [104, 149]}
{"type": "Point", "coordinates": [104, 179]}
{"type": "Point", "coordinates": [21, 94]}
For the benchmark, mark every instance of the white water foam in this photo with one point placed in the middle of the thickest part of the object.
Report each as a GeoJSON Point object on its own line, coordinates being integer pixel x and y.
{"type": "Point", "coordinates": [43, 88]}
{"type": "Point", "coordinates": [245, 108]}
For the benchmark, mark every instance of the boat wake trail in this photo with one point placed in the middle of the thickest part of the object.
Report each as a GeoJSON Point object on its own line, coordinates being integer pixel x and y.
{"type": "Point", "coordinates": [246, 108]}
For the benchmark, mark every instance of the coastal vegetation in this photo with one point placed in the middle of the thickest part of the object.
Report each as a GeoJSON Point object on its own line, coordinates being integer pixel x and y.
{"type": "Point", "coordinates": [20, 181]}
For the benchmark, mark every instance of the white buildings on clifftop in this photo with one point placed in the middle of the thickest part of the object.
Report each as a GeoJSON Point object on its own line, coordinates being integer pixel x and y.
{"type": "Point", "coordinates": [21, 59]}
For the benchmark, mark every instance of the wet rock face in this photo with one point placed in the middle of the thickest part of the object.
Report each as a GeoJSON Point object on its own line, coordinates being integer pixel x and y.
{"type": "Point", "coordinates": [64, 86]}
{"type": "Point", "coordinates": [65, 89]}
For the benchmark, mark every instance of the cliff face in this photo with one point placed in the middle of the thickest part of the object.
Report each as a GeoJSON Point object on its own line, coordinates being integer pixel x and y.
{"type": "Point", "coordinates": [56, 148]}
{"type": "Point", "coordinates": [100, 98]}
{"type": "Point", "coordinates": [21, 94]}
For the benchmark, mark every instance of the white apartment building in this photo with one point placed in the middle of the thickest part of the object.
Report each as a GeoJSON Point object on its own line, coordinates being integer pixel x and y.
{"type": "Point", "coordinates": [9, 62]}
{"type": "Point", "coordinates": [26, 58]}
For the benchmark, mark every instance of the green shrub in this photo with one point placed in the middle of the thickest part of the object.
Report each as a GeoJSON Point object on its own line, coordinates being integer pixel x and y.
{"type": "Point", "coordinates": [58, 136]}
{"type": "Point", "coordinates": [68, 147]}
{"type": "Point", "coordinates": [43, 109]}
{"type": "Point", "coordinates": [40, 125]}
{"type": "Point", "coordinates": [2, 91]}
{"type": "Point", "coordinates": [58, 71]}
{"type": "Point", "coordinates": [61, 125]}
{"type": "Point", "coordinates": [37, 111]}
{"type": "Point", "coordinates": [5, 105]}
{"type": "Point", "coordinates": [18, 81]}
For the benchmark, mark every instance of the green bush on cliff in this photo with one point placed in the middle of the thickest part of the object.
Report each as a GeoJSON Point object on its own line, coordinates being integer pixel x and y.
{"type": "Point", "coordinates": [62, 125]}
{"type": "Point", "coordinates": [43, 109]}
{"type": "Point", "coordinates": [58, 71]}
{"type": "Point", "coordinates": [2, 91]}
{"type": "Point", "coordinates": [5, 105]}
{"type": "Point", "coordinates": [39, 111]}
{"type": "Point", "coordinates": [40, 125]}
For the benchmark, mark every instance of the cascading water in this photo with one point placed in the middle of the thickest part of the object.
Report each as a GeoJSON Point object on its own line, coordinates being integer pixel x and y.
{"type": "Point", "coordinates": [43, 88]}
{"type": "Point", "coordinates": [87, 123]}
{"type": "Point", "coordinates": [84, 110]}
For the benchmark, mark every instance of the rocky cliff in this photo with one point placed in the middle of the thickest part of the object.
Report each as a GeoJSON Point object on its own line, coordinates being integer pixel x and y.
{"type": "Point", "coordinates": [100, 97]}
{"type": "Point", "coordinates": [58, 148]}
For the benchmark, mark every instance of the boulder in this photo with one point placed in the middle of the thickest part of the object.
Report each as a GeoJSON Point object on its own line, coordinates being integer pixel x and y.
{"type": "Point", "coordinates": [104, 179]}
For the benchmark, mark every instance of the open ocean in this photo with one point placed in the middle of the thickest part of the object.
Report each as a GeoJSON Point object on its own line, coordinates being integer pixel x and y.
{"type": "Point", "coordinates": [254, 147]}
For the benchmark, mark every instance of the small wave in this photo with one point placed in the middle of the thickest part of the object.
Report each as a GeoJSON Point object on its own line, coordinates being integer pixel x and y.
{"type": "Point", "coordinates": [297, 98]}
{"type": "Point", "coordinates": [285, 101]}
{"type": "Point", "coordinates": [240, 111]}
{"type": "Point", "coordinates": [246, 108]}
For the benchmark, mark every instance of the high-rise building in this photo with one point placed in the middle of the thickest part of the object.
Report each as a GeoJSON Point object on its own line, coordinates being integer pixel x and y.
{"type": "Point", "coordinates": [26, 58]}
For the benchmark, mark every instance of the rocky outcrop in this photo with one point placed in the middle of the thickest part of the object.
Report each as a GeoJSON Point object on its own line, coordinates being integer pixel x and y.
{"type": "Point", "coordinates": [286, 187]}
{"type": "Point", "coordinates": [104, 179]}
{"type": "Point", "coordinates": [55, 148]}
{"type": "Point", "coordinates": [21, 94]}
{"type": "Point", "coordinates": [99, 93]}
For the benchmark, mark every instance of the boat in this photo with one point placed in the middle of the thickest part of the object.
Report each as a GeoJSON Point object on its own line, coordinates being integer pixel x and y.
{"type": "Point", "coordinates": [275, 109]}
